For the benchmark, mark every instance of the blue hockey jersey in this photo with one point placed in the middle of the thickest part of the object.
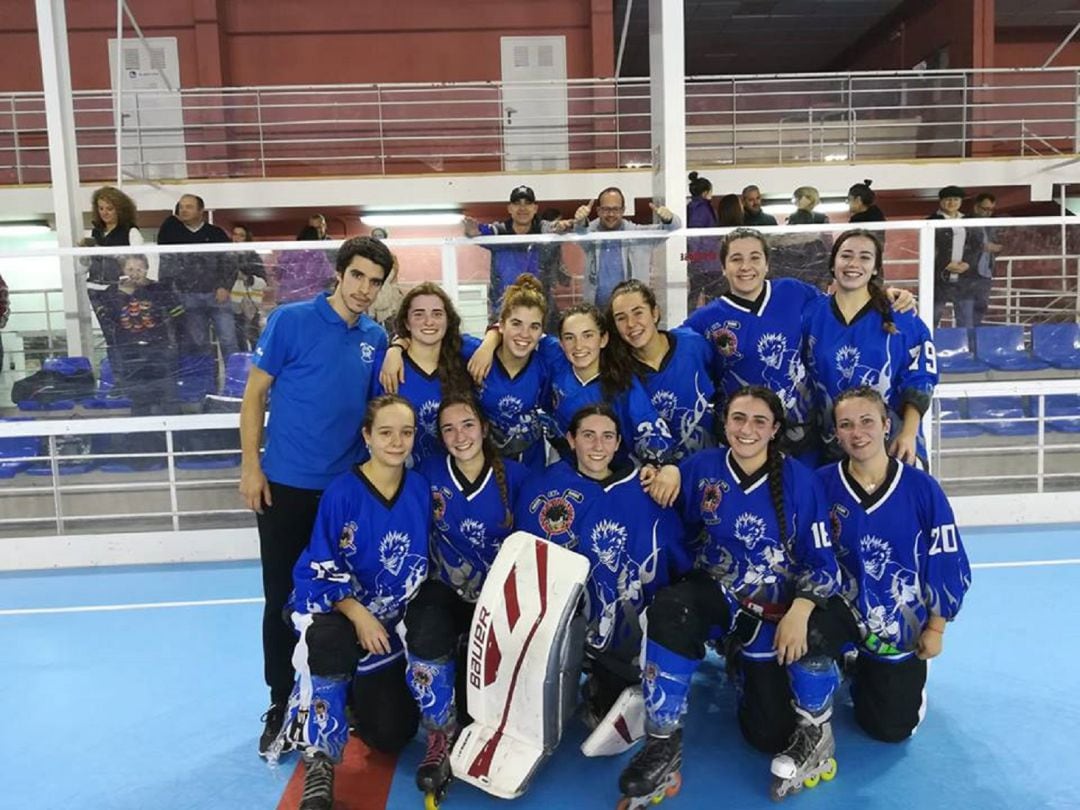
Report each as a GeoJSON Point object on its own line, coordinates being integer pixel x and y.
{"type": "Point", "coordinates": [470, 521]}
{"type": "Point", "coordinates": [760, 343]}
{"type": "Point", "coordinates": [644, 433]}
{"type": "Point", "coordinates": [744, 549]}
{"type": "Point", "coordinates": [683, 392]}
{"type": "Point", "coordinates": [424, 392]}
{"type": "Point", "coordinates": [902, 367]}
{"type": "Point", "coordinates": [514, 406]}
{"type": "Point", "coordinates": [634, 546]}
{"type": "Point", "coordinates": [365, 546]}
{"type": "Point", "coordinates": [901, 558]}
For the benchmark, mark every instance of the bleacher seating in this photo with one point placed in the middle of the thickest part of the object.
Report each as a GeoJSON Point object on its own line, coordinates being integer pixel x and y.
{"type": "Point", "coordinates": [106, 398]}
{"type": "Point", "coordinates": [1063, 413]}
{"type": "Point", "coordinates": [195, 377]}
{"type": "Point", "coordinates": [952, 411]}
{"type": "Point", "coordinates": [1001, 416]}
{"type": "Point", "coordinates": [1004, 349]}
{"type": "Point", "coordinates": [954, 352]}
{"type": "Point", "coordinates": [1057, 344]}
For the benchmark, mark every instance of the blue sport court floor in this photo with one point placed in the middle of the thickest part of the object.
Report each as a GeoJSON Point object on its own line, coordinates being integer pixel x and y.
{"type": "Point", "coordinates": [129, 688]}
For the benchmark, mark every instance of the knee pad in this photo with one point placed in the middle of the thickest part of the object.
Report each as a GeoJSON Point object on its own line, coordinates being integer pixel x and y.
{"type": "Point", "coordinates": [673, 624]}
{"type": "Point", "coordinates": [332, 648]}
{"type": "Point", "coordinates": [813, 681]}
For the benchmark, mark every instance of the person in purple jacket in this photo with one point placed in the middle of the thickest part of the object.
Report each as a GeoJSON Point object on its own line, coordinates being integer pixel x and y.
{"type": "Point", "coordinates": [704, 273]}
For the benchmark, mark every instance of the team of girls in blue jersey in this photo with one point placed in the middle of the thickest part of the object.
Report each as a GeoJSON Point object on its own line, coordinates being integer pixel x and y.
{"type": "Point", "coordinates": [742, 547]}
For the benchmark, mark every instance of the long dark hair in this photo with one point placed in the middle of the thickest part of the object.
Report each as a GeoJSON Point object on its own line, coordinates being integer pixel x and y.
{"type": "Point", "coordinates": [616, 372]}
{"type": "Point", "coordinates": [491, 455]}
{"type": "Point", "coordinates": [126, 212]}
{"type": "Point", "coordinates": [879, 299]}
{"type": "Point", "coordinates": [453, 376]}
{"type": "Point", "coordinates": [617, 354]}
{"type": "Point", "coordinates": [593, 409]}
{"type": "Point", "coordinates": [774, 459]}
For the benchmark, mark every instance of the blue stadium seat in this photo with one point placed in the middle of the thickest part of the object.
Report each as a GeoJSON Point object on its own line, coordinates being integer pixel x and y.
{"type": "Point", "coordinates": [195, 377]}
{"type": "Point", "coordinates": [67, 365]}
{"type": "Point", "coordinates": [237, 367]}
{"type": "Point", "coordinates": [1003, 348]}
{"type": "Point", "coordinates": [17, 447]}
{"type": "Point", "coordinates": [951, 411]}
{"type": "Point", "coordinates": [106, 398]}
{"type": "Point", "coordinates": [1009, 410]}
{"type": "Point", "coordinates": [1057, 344]}
{"type": "Point", "coordinates": [1063, 413]}
{"type": "Point", "coordinates": [207, 462]}
{"type": "Point", "coordinates": [954, 352]}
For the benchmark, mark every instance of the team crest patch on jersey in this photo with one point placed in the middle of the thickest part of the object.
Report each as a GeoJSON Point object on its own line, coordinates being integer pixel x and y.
{"type": "Point", "coordinates": [367, 352]}
{"type": "Point", "coordinates": [347, 538]}
{"type": "Point", "coordinates": [473, 531]}
{"type": "Point", "coordinates": [875, 554]}
{"type": "Point", "coordinates": [711, 495]}
{"type": "Point", "coordinates": [724, 339]}
{"type": "Point", "coordinates": [771, 348]}
{"type": "Point", "coordinates": [393, 549]}
{"type": "Point", "coordinates": [835, 514]}
{"type": "Point", "coordinates": [749, 529]}
{"type": "Point", "coordinates": [439, 497]}
{"type": "Point", "coordinates": [608, 541]}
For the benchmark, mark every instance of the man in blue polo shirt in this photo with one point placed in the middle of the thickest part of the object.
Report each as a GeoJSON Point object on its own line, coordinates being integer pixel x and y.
{"type": "Point", "coordinates": [317, 357]}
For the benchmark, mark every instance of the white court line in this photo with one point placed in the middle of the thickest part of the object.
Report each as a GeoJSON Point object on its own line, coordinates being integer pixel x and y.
{"type": "Point", "coordinates": [253, 600]}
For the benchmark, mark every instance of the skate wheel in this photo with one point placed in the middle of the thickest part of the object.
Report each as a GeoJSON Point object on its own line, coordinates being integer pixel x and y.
{"type": "Point", "coordinates": [830, 770]}
{"type": "Point", "coordinates": [812, 782]}
{"type": "Point", "coordinates": [431, 801]}
{"type": "Point", "coordinates": [674, 785]}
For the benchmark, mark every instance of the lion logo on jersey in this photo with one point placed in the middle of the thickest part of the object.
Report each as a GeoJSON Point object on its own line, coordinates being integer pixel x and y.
{"type": "Point", "coordinates": [665, 403]}
{"type": "Point", "coordinates": [771, 347]}
{"type": "Point", "coordinates": [875, 554]}
{"type": "Point", "coordinates": [347, 538]}
{"type": "Point", "coordinates": [393, 549]}
{"type": "Point", "coordinates": [367, 352]}
{"type": "Point", "coordinates": [847, 359]}
{"type": "Point", "coordinates": [725, 340]}
{"type": "Point", "coordinates": [749, 529]}
{"type": "Point", "coordinates": [608, 543]}
{"type": "Point", "coordinates": [473, 531]}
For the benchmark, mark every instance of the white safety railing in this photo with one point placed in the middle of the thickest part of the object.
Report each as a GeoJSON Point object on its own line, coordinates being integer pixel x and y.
{"type": "Point", "coordinates": [379, 129]}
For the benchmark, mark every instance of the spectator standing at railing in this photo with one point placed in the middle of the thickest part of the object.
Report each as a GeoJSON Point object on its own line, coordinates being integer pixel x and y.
{"type": "Point", "coordinates": [957, 251]}
{"type": "Point", "coordinates": [301, 274]}
{"type": "Point", "coordinates": [112, 220]}
{"type": "Point", "coordinates": [317, 357]}
{"type": "Point", "coordinates": [704, 273]}
{"type": "Point", "coordinates": [203, 281]}
{"type": "Point", "coordinates": [610, 262]}
{"type": "Point", "coordinates": [862, 203]}
{"type": "Point", "coordinates": [984, 283]}
{"type": "Point", "coordinates": [247, 292]}
{"type": "Point", "coordinates": [753, 216]}
{"type": "Point", "coordinates": [385, 309]}
{"type": "Point", "coordinates": [507, 263]}
{"type": "Point", "coordinates": [804, 255]}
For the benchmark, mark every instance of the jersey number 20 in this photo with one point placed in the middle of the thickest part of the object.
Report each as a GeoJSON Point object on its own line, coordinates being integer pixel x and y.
{"type": "Point", "coordinates": [943, 539]}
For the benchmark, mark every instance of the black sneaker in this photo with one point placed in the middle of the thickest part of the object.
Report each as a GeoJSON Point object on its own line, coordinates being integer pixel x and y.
{"type": "Point", "coordinates": [318, 782]}
{"type": "Point", "coordinates": [273, 718]}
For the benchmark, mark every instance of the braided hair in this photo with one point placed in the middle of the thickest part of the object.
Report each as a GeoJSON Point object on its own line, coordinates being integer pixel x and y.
{"type": "Point", "coordinates": [491, 455]}
{"type": "Point", "coordinates": [774, 459]}
{"type": "Point", "coordinates": [879, 299]}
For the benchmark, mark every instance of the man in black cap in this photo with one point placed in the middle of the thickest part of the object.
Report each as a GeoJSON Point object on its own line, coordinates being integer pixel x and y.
{"type": "Point", "coordinates": [507, 263]}
{"type": "Point", "coordinates": [956, 256]}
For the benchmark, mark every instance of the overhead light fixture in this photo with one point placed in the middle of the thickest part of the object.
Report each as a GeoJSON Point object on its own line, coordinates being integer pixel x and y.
{"type": "Point", "coordinates": [833, 157]}
{"type": "Point", "coordinates": [23, 229]}
{"type": "Point", "coordinates": [785, 209]}
{"type": "Point", "coordinates": [405, 219]}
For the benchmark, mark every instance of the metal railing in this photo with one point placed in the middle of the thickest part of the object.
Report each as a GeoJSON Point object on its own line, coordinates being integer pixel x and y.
{"type": "Point", "coordinates": [380, 129]}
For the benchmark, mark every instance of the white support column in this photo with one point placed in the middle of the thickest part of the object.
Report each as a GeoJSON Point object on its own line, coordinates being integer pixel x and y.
{"type": "Point", "coordinates": [64, 166]}
{"type": "Point", "coordinates": [667, 69]}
